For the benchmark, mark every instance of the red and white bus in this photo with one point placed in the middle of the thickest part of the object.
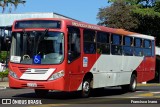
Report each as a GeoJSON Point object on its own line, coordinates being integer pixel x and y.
{"type": "Point", "coordinates": [67, 55]}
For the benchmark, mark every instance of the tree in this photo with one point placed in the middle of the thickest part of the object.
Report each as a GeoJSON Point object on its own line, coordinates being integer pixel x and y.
{"type": "Point", "coordinates": [16, 2]}
{"type": "Point", "coordinates": [145, 3]}
{"type": "Point", "coordinates": [143, 16]}
{"type": "Point", "coordinates": [118, 15]}
{"type": "Point", "coordinates": [6, 3]}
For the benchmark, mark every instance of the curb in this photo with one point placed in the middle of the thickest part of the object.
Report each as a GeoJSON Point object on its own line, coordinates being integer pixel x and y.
{"type": "Point", "coordinates": [158, 84]}
{"type": "Point", "coordinates": [2, 87]}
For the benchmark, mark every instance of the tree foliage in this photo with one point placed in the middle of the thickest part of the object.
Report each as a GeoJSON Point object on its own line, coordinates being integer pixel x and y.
{"type": "Point", "coordinates": [118, 15]}
{"type": "Point", "coordinates": [9, 3]}
{"type": "Point", "coordinates": [3, 56]}
{"type": "Point", "coordinates": [4, 74]}
{"type": "Point", "coordinates": [142, 16]}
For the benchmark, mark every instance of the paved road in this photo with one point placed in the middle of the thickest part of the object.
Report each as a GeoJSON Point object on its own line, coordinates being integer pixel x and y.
{"type": "Point", "coordinates": [100, 97]}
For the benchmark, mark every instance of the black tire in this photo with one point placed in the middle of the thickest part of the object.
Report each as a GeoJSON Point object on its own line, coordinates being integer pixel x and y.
{"type": "Point", "coordinates": [41, 93]}
{"type": "Point", "coordinates": [86, 88]}
{"type": "Point", "coordinates": [132, 86]}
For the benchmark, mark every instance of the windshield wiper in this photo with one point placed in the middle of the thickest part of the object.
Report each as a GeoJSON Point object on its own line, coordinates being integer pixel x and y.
{"type": "Point", "coordinates": [28, 37]}
{"type": "Point", "coordinates": [40, 38]}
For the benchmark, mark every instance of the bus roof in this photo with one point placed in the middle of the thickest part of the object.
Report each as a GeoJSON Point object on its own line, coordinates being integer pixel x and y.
{"type": "Point", "coordinates": [72, 22]}
{"type": "Point", "coordinates": [112, 30]}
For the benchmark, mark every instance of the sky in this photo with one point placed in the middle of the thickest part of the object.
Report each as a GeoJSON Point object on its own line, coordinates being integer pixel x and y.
{"type": "Point", "coordinates": [82, 10]}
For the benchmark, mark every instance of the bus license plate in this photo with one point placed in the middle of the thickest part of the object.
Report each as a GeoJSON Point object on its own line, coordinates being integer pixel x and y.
{"type": "Point", "coordinates": [31, 84]}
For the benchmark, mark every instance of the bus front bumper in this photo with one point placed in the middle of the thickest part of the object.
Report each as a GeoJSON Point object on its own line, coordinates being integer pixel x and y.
{"type": "Point", "coordinates": [47, 85]}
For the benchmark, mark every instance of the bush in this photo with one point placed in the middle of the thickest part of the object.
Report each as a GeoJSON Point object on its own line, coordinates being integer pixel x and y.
{"type": "Point", "coordinates": [3, 56]}
{"type": "Point", "coordinates": [4, 74]}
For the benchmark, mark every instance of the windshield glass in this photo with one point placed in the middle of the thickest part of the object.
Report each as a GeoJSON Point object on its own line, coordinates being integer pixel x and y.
{"type": "Point", "coordinates": [37, 47]}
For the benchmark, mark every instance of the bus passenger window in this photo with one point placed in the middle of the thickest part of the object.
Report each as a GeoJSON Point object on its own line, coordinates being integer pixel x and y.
{"type": "Point", "coordinates": [89, 41]}
{"type": "Point", "coordinates": [153, 48]}
{"type": "Point", "coordinates": [116, 48]}
{"type": "Point", "coordinates": [138, 50]}
{"type": "Point", "coordinates": [147, 48]}
{"type": "Point", "coordinates": [128, 46]}
{"type": "Point", "coordinates": [103, 46]}
{"type": "Point", "coordinates": [73, 43]}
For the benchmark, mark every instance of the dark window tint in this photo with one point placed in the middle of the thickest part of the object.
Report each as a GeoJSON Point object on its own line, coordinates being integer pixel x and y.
{"type": "Point", "coordinates": [128, 48]}
{"type": "Point", "coordinates": [138, 42]}
{"type": "Point", "coordinates": [89, 47]}
{"type": "Point", "coordinates": [138, 51]}
{"type": "Point", "coordinates": [153, 48]}
{"type": "Point", "coordinates": [103, 46]}
{"type": "Point", "coordinates": [116, 39]}
{"type": "Point", "coordinates": [116, 48]}
{"type": "Point", "coordinates": [147, 52]}
{"type": "Point", "coordinates": [147, 44]}
{"type": "Point", "coordinates": [128, 51]}
{"type": "Point", "coordinates": [89, 41]}
{"type": "Point", "coordinates": [73, 43]}
{"type": "Point", "coordinates": [102, 37]}
{"type": "Point", "coordinates": [89, 36]}
{"type": "Point", "coordinates": [127, 41]}
{"type": "Point", "coordinates": [147, 48]}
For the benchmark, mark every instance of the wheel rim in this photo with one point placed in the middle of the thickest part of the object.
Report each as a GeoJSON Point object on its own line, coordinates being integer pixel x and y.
{"type": "Point", "coordinates": [86, 86]}
{"type": "Point", "coordinates": [134, 84]}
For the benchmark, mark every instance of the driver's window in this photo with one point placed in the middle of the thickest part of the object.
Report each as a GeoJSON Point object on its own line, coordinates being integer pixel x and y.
{"type": "Point", "coordinates": [73, 43]}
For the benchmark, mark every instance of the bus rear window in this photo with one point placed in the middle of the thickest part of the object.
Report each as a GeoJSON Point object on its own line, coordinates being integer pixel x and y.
{"type": "Point", "coordinates": [38, 24]}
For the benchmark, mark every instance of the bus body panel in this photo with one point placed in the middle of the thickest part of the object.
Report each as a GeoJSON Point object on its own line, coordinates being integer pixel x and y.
{"type": "Point", "coordinates": [117, 69]}
{"type": "Point", "coordinates": [59, 84]}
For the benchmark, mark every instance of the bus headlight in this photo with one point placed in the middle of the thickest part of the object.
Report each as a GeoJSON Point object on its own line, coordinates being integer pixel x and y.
{"type": "Point", "coordinates": [57, 75]}
{"type": "Point", "coordinates": [13, 74]}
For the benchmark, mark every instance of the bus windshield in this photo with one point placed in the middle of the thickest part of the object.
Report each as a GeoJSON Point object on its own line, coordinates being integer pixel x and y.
{"type": "Point", "coordinates": [48, 46]}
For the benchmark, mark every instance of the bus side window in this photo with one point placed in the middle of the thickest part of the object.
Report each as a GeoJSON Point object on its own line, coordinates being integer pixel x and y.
{"type": "Point", "coordinates": [103, 46]}
{"type": "Point", "coordinates": [147, 48]}
{"type": "Point", "coordinates": [73, 43]}
{"type": "Point", "coordinates": [128, 46]}
{"type": "Point", "coordinates": [153, 48]}
{"type": "Point", "coordinates": [116, 48]}
{"type": "Point", "coordinates": [138, 50]}
{"type": "Point", "coordinates": [89, 41]}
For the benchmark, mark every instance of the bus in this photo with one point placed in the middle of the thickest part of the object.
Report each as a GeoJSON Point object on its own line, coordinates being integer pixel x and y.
{"type": "Point", "coordinates": [67, 55]}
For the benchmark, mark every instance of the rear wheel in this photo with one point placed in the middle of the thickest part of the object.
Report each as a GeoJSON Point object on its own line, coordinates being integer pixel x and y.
{"type": "Point", "coordinates": [41, 93]}
{"type": "Point", "coordinates": [86, 88]}
{"type": "Point", "coordinates": [133, 84]}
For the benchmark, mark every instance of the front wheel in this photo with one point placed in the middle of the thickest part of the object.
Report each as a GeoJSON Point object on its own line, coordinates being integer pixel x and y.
{"type": "Point", "coordinates": [133, 84]}
{"type": "Point", "coordinates": [41, 93]}
{"type": "Point", "coordinates": [86, 88]}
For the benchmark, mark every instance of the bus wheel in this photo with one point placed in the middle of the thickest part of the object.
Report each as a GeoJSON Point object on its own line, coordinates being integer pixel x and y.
{"type": "Point", "coordinates": [41, 93]}
{"type": "Point", "coordinates": [86, 88]}
{"type": "Point", "coordinates": [133, 84]}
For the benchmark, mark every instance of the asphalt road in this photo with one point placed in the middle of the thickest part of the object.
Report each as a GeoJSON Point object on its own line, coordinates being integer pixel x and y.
{"type": "Point", "coordinates": [145, 96]}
